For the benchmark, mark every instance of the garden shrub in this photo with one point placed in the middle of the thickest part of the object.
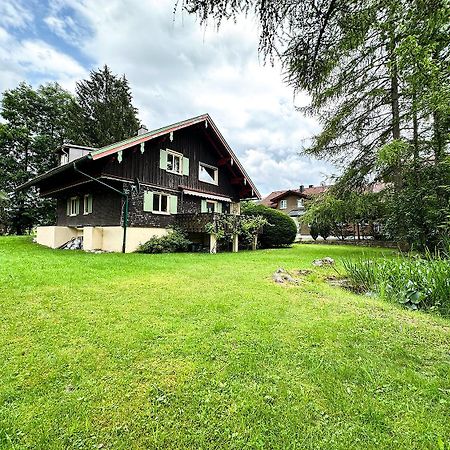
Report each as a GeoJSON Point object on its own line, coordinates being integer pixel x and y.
{"type": "Point", "coordinates": [175, 241]}
{"type": "Point", "coordinates": [313, 231]}
{"type": "Point", "coordinates": [280, 229]}
{"type": "Point", "coordinates": [324, 230]}
{"type": "Point", "coordinates": [413, 281]}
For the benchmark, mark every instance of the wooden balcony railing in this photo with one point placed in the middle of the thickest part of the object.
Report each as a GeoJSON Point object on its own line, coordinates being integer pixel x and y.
{"type": "Point", "coordinates": [195, 223]}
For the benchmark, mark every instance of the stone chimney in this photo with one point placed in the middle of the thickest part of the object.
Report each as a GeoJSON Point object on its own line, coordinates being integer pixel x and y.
{"type": "Point", "coordinates": [143, 129]}
{"type": "Point", "coordinates": [302, 188]}
{"type": "Point", "coordinates": [311, 185]}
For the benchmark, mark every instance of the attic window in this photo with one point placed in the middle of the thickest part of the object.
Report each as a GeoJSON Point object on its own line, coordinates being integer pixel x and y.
{"type": "Point", "coordinates": [299, 203]}
{"type": "Point", "coordinates": [283, 204]}
{"type": "Point", "coordinates": [174, 162]}
{"type": "Point", "coordinates": [208, 174]}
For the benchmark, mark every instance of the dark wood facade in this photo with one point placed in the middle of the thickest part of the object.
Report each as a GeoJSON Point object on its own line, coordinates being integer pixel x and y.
{"type": "Point", "coordinates": [196, 143]}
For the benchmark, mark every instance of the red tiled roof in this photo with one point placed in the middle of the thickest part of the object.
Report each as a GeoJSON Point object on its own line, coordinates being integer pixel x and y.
{"type": "Point", "coordinates": [272, 199]}
{"type": "Point", "coordinates": [274, 196]}
{"type": "Point", "coordinates": [267, 201]}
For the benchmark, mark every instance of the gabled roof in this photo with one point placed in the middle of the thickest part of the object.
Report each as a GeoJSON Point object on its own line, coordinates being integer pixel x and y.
{"type": "Point", "coordinates": [138, 139]}
{"type": "Point", "coordinates": [272, 199]}
{"type": "Point", "coordinates": [294, 192]}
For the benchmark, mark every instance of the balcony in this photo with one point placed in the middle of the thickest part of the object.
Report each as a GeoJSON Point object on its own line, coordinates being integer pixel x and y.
{"type": "Point", "coordinates": [195, 223]}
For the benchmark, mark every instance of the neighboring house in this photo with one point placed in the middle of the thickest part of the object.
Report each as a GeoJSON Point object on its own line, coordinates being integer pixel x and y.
{"type": "Point", "coordinates": [181, 174]}
{"type": "Point", "coordinates": [292, 203]}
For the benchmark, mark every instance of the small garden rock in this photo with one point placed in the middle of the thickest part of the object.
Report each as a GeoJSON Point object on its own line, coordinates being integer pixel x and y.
{"type": "Point", "coordinates": [282, 276]}
{"type": "Point", "coordinates": [327, 261]}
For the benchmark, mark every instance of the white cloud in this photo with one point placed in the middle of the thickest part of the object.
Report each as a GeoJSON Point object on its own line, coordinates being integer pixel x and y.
{"type": "Point", "coordinates": [14, 14]}
{"type": "Point", "coordinates": [22, 60]}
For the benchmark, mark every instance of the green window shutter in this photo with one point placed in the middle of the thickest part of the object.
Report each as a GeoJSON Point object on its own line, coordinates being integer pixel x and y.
{"type": "Point", "coordinates": [204, 207]}
{"type": "Point", "coordinates": [163, 159]}
{"type": "Point", "coordinates": [218, 207]}
{"type": "Point", "coordinates": [185, 166]}
{"type": "Point", "coordinates": [148, 201]}
{"type": "Point", "coordinates": [68, 206]}
{"type": "Point", "coordinates": [90, 203]}
{"type": "Point", "coordinates": [173, 204]}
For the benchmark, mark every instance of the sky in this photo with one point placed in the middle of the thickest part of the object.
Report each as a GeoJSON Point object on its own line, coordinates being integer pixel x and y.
{"type": "Point", "coordinates": [176, 69]}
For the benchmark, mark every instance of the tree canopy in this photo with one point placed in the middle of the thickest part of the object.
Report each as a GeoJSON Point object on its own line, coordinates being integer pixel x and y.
{"type": "Point", "coordinates": [378, 74]}
{"type": "Point", "coordinates": [104, 112]}
{"type": "Point", "coordinates": [39, 121]}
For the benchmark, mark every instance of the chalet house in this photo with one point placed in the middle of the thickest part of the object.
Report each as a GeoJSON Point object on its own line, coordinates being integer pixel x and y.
{"type": "Point", "coordinates": [119, 196]}
{"type": "Point", "coordinates": [292, 203]}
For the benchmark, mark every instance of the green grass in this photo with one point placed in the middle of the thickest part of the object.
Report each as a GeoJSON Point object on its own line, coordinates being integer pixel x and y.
{"type": "Point", "coordinates": [196, 351]}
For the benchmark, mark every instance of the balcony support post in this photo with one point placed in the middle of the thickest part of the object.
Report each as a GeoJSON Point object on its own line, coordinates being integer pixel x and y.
{"type": "Point", "coordinates": [235, 243]}
{"type": "Point", "coordinates": [212, 243]}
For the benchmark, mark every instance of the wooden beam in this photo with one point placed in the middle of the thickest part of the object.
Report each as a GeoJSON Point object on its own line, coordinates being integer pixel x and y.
{"type": "Point", "coordinates": [223, 161]}
{"type": "Point", "coordinates": [237, 180]}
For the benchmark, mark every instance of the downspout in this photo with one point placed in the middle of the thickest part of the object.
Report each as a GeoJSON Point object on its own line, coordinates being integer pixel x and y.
{"type": "Point", "coordinates": [123, 194]}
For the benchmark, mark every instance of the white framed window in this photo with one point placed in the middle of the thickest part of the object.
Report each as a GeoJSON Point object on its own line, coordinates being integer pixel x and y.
{"type": "Point", "coordinates": [87, 204]}
{"type": "Point", "coordinates": [208, 174]}
{"type": "Point", "coordinates": [73, 206]}
{"type": "Point", "coordinates": [299, 203]}
{"type": "Point", "coordinates": [283, 204]}
{"type": "Point", "coordinates": [211, 206]}
{"type": "Point", "coordinates": [174, 162]}
{"type": "Point", "coordinates": [160, 203]}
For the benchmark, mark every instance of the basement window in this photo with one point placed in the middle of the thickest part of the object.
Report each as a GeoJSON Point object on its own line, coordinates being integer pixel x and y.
{"type": "Point", "coordinates": [160, 203]}
{"type": "Point", "coordinates": [208, 174]}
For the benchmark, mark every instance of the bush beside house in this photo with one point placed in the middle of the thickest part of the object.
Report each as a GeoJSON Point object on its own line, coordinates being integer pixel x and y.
{"type": "Point", "coordinates": [280, 230]}
{"type": "Point", "coordinates": [175, 241]}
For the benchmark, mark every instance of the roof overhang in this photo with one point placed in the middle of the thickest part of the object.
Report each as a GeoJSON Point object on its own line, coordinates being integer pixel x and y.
{"type": "Point", "coordinates": [51, 172]}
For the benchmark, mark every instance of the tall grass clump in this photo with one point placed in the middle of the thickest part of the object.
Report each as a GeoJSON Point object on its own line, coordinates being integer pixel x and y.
{"type": "Point", "coordinates": [417, 282]}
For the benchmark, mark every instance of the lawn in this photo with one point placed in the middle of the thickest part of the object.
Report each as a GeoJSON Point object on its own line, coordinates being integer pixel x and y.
{"type": "Point", "coordinates": [198, 351]}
